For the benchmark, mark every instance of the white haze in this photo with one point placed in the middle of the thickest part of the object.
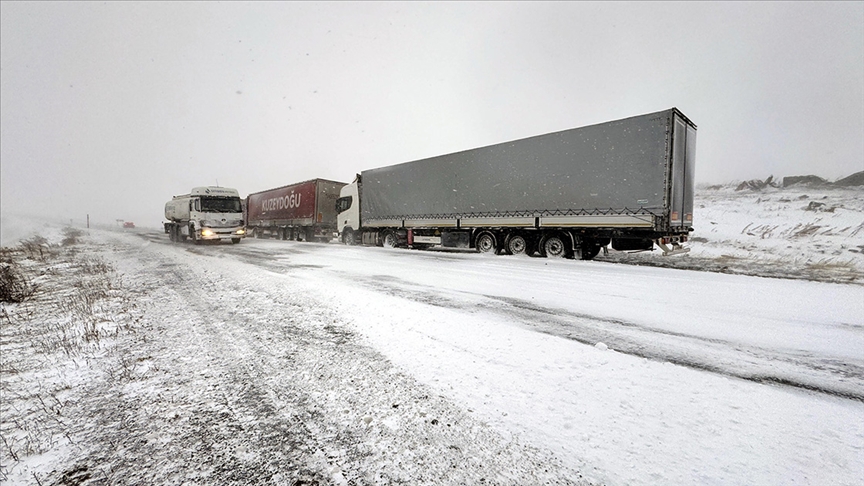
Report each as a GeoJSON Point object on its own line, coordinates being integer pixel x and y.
{"type": "Point", "coordinates": [109, 109]}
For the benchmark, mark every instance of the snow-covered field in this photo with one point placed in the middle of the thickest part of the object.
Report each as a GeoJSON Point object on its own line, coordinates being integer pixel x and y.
{"type": "Point", "coordinates": [799, 232]}
{"type": "Point", "coordinates": [271, 362]}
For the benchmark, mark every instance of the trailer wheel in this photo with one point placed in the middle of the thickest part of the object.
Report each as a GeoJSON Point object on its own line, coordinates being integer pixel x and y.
{"type": "Point", "coordinates": [553, 247]}
{"type": "Point", "coordinates": [590, 250]}
{"type": "Point", "coordinates": [486, 243]}
{"type": "Point", "coordinates": [516, 245]}
{"type": "Point", "coordinates": [171, 233]}
{"type": "Point", "coordinates": [390, 240]}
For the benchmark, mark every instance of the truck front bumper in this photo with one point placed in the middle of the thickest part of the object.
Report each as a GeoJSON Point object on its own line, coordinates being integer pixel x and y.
{"type": "Point", "coordinates": [221, 233]}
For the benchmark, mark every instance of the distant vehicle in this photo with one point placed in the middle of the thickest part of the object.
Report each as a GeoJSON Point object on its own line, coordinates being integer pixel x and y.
{"type": "Point", "coordinates": [628, 183]}
{"type": "Point", "coordinates": [128, 224]}
{"type": "Point", "coordinates": [207, 213]}
{"type": "Point", "coordinates": [305, 211]}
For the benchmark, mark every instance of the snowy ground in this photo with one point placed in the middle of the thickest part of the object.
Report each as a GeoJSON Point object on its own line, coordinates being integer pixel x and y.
{"type": "Point", "coordinates": [270, 362]}
{"type": "Point", "coordinates": [798, 232]}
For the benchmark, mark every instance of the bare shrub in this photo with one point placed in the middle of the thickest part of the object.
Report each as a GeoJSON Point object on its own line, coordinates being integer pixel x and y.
{"type": "Point", "coordinates": [14, 285]}
{"type": "Point", "coordinates": [70, 236]}
{"type": "Point", "coordinates": [36, 247]}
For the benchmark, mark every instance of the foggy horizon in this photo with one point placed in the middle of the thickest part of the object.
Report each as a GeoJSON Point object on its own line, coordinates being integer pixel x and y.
{"type": "Point", "coordinates": [111, 109]}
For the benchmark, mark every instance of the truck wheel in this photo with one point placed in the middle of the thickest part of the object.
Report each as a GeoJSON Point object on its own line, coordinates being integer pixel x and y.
{"type": "Point", "coordinates": [348, 237]}
{"type": "Point", "coordinates": [554, 247]}
{"type": "Point", "coordinates": [390, 240]}
{"type": "Point", "coordinates": [485, 243]}
{"type": "Point", "coordinates": [516, 245]}
{"type": "Point", "coordinates": [234, 241]}
{"type": "Point", "coordinates": [171, 233]}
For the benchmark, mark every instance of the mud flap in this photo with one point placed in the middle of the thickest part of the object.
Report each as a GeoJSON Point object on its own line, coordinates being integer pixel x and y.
{"type": "Point", "coordinates": [676, 249]}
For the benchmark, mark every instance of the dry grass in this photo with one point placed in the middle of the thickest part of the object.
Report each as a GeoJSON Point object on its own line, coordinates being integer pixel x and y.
{"type": "Point", "coordinates": [49, 335]}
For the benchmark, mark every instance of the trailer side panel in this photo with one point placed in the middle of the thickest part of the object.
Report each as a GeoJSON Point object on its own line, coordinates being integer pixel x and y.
{"type": "Point", "coordinates": [619, 167]}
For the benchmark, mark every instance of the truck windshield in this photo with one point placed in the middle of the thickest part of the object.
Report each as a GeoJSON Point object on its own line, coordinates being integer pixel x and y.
{"type": "Point", "coordinates": [220, 205]}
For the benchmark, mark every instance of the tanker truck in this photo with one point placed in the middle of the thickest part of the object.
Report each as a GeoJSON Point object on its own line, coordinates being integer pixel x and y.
{"type": "Point", "coordinates": [626, 183]}
{"type": "Point", "coordinates": [304, 211]}
{"type": "Point", "coordinates": [208, 213]}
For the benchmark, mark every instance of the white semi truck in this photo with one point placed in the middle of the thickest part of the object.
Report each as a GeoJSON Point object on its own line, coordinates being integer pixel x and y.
{"type": "Point", "coordinates": [625, 183]}
{"type": "Point", "coordinates": [207, 213]}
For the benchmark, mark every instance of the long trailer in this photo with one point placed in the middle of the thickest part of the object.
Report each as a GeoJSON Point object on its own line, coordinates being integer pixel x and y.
{"type": "Point", "coordinates": [304, 211]}
{"type": "Point", "coordinates": [628, 183]}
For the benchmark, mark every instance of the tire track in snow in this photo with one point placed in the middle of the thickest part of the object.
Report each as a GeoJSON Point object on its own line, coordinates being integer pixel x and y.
{"type": "Point", "coordinates": [751, 363]}
{"type": "Point", "coordinates": [767, 366]}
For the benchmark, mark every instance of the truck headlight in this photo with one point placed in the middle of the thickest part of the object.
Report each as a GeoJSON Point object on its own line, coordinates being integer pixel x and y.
{"type": "Point", "coordinates": [241, 232]}
{"type": "Point", "coordinates": [206, 232]}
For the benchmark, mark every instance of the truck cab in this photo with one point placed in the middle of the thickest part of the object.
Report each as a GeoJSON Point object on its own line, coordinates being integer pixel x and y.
{"type": "Point", "coordinates": [348, 212]}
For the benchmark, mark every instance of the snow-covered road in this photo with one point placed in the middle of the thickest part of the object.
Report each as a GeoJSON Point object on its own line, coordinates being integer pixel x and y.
{"type": "Point", "coordinates": [709, 378]}
{"type": "Point", "coordinates": [273, 362]}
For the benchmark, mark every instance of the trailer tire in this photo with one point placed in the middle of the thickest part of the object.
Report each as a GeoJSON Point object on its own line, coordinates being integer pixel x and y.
{"type": "Point", "coordinates": [553, 246]}
{"type": "Point", "coordinates": [590, 250]}
{"type": "Point", "coordinates": [486, 243]}
{"type": "Point", "coordinates": [171, 233]}
{"type": "Point", "coordinates": [516, 245]}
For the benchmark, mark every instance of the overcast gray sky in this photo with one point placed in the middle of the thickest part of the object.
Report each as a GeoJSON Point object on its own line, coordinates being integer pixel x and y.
{"type": "Point", "coordinates": [109, 109]}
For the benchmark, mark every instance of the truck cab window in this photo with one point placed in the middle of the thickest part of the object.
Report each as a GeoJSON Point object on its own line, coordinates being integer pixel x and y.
{"type": "Point", "coordinates": [343, 203]}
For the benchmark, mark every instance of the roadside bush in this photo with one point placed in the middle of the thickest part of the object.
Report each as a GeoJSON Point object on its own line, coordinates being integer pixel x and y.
{"type": "Point", "coordinates": [70, 236]}
{"type": "Point", "coordinates": [14, 286]}
{"type": "Point", "coordinates": [36, 247]}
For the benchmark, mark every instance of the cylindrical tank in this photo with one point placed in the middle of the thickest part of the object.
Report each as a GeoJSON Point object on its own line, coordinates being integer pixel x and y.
{"type": "Point", "coordinates": [177, 209]}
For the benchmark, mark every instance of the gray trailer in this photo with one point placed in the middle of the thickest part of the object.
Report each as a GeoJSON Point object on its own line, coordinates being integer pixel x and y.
{"type": "Point", "coordinates": [628, 183]}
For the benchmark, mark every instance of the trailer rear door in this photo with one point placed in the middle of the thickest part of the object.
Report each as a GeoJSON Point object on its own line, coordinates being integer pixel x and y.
{"type": "Point", "coordinates": [683, 162]}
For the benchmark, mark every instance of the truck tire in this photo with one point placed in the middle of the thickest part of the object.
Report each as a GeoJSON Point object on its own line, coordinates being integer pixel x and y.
{"type": "Point", "coordinates": [486, 243]}
{"type": "Point", "coordinates": [516, 245]}
{"type": "Point", "coordinates": [389, 240]}
{"type": "Point", "coordinates": [234, 241]}
{"type": "Point", "coordinates": [348, 237]}
{"type": "Point", "coordinates": [171, 233]}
